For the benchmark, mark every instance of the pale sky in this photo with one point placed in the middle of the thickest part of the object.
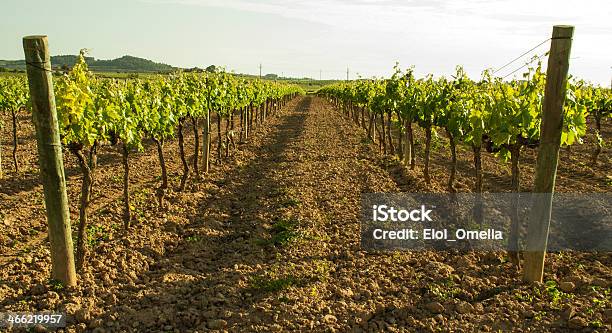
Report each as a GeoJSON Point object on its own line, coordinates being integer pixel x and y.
{"type": "Point", "coordinates": [304, 37]}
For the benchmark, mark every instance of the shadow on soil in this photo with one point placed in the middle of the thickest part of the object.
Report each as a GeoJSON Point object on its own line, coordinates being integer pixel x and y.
{"type": "Point", "coordinates": [249, 200]}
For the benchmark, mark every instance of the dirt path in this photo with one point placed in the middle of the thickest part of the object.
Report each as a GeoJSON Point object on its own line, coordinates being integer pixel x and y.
{"type": "Point", "coordinates": [270, 242]}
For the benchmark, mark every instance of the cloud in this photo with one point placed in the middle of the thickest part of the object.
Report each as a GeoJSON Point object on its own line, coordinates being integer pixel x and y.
{"type": "Point", "coordinates": [435, 35]}
{"type": "Point", "coordinates": [346, 14]}
{"type": "Point", "coordinates": [382, 14]}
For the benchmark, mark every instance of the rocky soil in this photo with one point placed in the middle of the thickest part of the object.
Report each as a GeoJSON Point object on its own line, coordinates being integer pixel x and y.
{"type": "Point", "coordinates": [269, 242]}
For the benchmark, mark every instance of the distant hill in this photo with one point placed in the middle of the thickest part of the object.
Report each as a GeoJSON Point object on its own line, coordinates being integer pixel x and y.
{"type": "Point", "coordinates": [124, 64]}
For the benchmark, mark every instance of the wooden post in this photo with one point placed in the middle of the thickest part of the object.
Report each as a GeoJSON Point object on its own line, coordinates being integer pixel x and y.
{"type": "Point", "coordinates": [50, 159]}
{"type": "Point", "coordinates": [548, 152]}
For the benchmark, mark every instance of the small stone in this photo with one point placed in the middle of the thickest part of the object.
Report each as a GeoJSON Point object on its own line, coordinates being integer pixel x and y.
{"type": "Point", "coordinates": [330, 319]}
{"type": "Point", "coordinates": [168, 328]}
{"type": "Point", "coordinates": [577, 322]}
{"type": "Point", "coordinates": [217, 324]}
{"type": "Point", "coordinates": [465, 307]}
{"type": "Point", "coordinates": [435, 307]}
{"type": "Point", "coordinates": [567, 286]}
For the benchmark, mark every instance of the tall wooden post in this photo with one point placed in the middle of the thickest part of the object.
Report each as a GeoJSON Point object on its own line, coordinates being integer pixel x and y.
{"type": "Point", "coordinates": [548, 152]}
{"type": "Point", "coordinates": [50, 159]}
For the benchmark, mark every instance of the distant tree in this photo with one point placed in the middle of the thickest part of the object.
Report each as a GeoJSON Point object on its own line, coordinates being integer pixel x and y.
{"type": "Point", "coordinates": [271, 76]}
{"type": "Point", "coordinates": [212, 69]}
{"type": "Point", "coordinates": [194, 70]}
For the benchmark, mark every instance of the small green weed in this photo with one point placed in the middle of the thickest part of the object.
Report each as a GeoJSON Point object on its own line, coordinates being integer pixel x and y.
{"type": "Point", "coordinates": [283, 233]}
{"type": "Point", "coordinates": [96, 233]}
{"type": "Point", "coordinates": [268, 284]}
{"type": "Point", "coordinates": [446, 290]}
{"type": "Point", "coordinates": [556, 296]}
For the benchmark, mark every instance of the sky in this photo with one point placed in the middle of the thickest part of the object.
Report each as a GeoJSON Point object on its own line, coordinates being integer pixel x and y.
{"type": "Point", "coordinates": [318, 38]}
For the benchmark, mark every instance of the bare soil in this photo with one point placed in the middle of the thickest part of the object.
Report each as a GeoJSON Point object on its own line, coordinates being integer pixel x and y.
{"type": "Point", "coordinates": [269, 241]}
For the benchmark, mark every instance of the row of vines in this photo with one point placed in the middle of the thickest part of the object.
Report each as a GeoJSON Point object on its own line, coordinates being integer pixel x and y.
{"type": "Point", "coordinates": [93, 112]}
{"type": "Point", "coordinates": [497, 116]}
